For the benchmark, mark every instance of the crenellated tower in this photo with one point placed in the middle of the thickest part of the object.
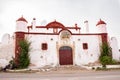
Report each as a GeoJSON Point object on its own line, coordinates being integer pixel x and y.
{"type": "Point", "coordinates": [21, 25]}
{"type": "Point", "coordinates": [21, 29]}
{"type": "Point", "coordinates": [102, 30]}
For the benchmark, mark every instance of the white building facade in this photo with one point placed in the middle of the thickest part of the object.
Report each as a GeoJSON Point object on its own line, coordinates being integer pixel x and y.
{"type": "Point", "coordinates": [56, 44]}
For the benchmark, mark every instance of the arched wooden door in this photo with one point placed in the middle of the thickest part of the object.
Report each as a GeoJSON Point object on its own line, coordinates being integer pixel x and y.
{"type": "Point", "coordinates": [65, 55]}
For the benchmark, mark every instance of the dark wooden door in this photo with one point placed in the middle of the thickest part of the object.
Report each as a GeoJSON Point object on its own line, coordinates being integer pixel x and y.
{"type": "Point", "coordinates": [65, 55]}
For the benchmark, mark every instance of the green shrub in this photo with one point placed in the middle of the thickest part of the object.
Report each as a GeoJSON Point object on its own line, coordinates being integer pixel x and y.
{"type": "Point", "coordinates": [106, 60]}
{"type": "Point", "coordinates": [106, 50]}
{"type": "Point", "coordinates": [98, 68]}
{"type": "Point", "coordinates": [12, 64]}
{"type": "Point", "coordinates": [24, 60]}
{"type": "Point", "coordinates": [106, 54]}
{"type": "Point", "coordinates": [114, 61]}
{"type": "Point", "coordinates": [101, 68]}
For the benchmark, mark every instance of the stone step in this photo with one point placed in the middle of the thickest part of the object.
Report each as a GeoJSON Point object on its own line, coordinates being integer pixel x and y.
{"type": "Point", "coordinates": [69, 67]}
{"type": "Point", "coordinates": [63, 68]}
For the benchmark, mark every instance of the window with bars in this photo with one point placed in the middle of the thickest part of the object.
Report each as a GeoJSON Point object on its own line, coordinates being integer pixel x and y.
{"type": "Point", "coordinates": [44, 46]}
{"type": "Point", "coordinates": [85, 46]}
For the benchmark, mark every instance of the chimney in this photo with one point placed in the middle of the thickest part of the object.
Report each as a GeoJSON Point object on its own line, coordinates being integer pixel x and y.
{"type": "Point", "coordinates": [34, 23]}
{"type": "Point", "coordinates": [76, 26]}
{"type": "Point", "coordinates": [86, 27]}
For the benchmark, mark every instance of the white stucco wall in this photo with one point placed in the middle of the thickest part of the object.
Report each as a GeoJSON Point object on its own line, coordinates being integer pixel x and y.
{"type": "Point", "coordinates": [115, 49]}
{"type": "Point", "coordinates": [50, 56]}
{"type": "Point", "coordinates": [41, 57]}
{"type": "Point", "coordinates": [6, 49]}
{"type": "Point", "coordinates": [21, 26]}
{"type": "Point", "coordinates": [90, 55]}
{"type": "Point", "coordinates": [50, 30]}
{"type": "Point", "coordinates": [101, 28]}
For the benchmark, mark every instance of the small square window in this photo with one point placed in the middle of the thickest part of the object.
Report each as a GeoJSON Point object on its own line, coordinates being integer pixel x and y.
{"type": "Point", "coordinates": [85, 46]}
{"type": "Point", "coordinates": [44, 46]}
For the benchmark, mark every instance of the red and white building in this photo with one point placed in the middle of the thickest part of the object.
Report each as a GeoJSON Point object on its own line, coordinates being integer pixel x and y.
{"type": "Point", "coordinates": [55, 44]}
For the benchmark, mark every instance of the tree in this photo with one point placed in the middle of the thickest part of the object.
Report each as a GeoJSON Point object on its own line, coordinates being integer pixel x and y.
{"type": "Point", "coordinates": [24, 59]}
{"type": "Point", "coordinates": [106, 50]}
{"type": "Point", "coordinates": [106, 54]}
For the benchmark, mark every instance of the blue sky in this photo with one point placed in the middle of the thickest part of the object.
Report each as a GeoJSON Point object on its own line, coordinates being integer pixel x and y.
{"type": "Point", "coordinates": [67, 12]}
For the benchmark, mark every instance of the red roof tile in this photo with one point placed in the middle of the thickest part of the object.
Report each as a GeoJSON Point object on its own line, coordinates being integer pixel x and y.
{"type": "Point", "coordinates": [100, 22]}
{"type": "Point", "coordinates": [22, 19]}
{"type": "Point", "coordinates": [55, 24]}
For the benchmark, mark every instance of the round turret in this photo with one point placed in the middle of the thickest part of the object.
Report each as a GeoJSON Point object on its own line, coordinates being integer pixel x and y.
{"type": "Point", "coordinates": [101, 26]}
{"type": "Point", "coordinates": [21, 25]}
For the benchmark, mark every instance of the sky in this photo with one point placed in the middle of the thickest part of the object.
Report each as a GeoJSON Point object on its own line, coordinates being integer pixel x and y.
{"type": "Point", "coordinates": [68, 12]}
